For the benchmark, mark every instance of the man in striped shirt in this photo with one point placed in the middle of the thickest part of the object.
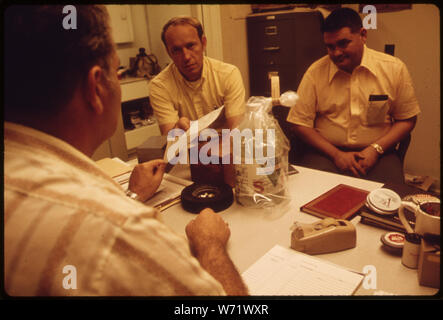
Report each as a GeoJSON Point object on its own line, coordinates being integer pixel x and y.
{"type": "Point", "coordinates": [69, 228]}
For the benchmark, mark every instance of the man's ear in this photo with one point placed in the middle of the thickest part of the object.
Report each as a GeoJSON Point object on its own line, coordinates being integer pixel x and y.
{"type": "Point", "coordinates": [95, 89]}
{"type": "Point", "coordinates": [363, 34]}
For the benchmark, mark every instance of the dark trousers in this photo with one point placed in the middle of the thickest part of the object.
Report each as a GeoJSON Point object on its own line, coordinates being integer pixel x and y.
{"type": "Point", "coordinates": [389, 167]}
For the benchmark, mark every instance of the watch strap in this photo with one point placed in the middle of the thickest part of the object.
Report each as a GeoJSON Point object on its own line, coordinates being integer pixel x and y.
{"type": "Point", "coordinates": [377, 148]}
{"type": "Point", "coordinates": [131, 194]}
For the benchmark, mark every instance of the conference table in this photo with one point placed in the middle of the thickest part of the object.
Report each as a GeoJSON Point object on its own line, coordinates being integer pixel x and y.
{"type": "Point", "coordinates": [255, 231]}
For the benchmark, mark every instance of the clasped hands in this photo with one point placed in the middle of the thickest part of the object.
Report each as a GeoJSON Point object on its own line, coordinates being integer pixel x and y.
{"type": "Point", "coordinates": [357, 162]}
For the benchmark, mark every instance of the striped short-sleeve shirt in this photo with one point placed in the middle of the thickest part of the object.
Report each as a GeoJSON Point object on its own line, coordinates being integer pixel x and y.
{"type": "Point", "coordinates": [69, 229]}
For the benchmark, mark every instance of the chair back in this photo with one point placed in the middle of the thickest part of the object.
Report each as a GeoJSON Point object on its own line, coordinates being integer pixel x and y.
{"type": "Point", "coordinates": [402, 147]}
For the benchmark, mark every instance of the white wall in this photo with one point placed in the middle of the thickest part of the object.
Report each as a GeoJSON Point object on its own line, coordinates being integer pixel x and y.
{"type": "Point", "coordinates": [157, 16]}
{"type": "Point", "coordinates": [141, 36]}
{"type": "Point", "coordinates": [234, 36]}
{"type": "Point", "coordinates": [416, 35]}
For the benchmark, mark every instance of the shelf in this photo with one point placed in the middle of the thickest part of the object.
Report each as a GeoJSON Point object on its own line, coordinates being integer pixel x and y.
{"type": "Point", "coordinates": [134, 88]}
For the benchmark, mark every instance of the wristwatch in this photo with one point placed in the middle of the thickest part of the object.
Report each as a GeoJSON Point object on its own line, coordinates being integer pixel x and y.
{"type": "Point", "coordinates": [377, 148]}
{"type": "Point", "coordinates": [131, 194]}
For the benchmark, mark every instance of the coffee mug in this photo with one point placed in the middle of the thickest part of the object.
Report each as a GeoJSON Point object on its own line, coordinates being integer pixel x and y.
{"type": "Point", "coordinates": [427, 217]}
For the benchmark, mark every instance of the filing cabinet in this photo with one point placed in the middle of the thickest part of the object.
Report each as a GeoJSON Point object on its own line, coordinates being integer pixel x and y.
{"type": "Point", "coordinates": [283, 43]}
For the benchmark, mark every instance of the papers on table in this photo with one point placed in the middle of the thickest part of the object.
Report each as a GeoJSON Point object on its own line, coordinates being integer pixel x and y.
{"type": "Point", "coordinates": [114, 167]}
{"type": "Point", "coordinates": [283, 271]}
{"type": "Point", "coordinates": [168, 193]}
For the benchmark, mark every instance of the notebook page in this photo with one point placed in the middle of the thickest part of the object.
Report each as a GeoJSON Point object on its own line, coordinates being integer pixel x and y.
{"type": "Point", "coordinates": [283, 271]}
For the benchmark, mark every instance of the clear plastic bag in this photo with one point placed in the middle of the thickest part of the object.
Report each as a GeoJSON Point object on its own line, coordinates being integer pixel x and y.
{"type": "Point", "coordinates": [262, 165]}
{"type": "Point", "coordinates": [288, 98]}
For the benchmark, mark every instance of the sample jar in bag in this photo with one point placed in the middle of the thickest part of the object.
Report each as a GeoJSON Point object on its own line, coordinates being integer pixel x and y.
{"type": "Point", "coordinates": [261, 161]}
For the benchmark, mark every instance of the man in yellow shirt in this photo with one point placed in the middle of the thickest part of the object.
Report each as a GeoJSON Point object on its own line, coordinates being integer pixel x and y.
{"type": "Point", "coordinates": [355, 105]}
{"type": "Point", "coordinates": [193, 85]}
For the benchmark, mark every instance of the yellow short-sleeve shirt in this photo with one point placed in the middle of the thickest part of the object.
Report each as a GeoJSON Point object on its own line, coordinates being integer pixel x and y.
{"type": "Point", "coordinates": [173, 97]}
{"type": "Point", "coordinates": [354, 110]}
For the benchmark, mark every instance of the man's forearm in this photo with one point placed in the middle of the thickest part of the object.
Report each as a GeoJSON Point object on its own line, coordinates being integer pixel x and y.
{"type": "Point", "coordinates": [215, 261]}
{"type": "Point", "coordinates": [399, 130]}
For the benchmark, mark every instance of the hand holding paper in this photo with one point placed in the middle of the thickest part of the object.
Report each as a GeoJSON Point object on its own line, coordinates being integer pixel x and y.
{"type": "Point", "coordinates": [146, 178]}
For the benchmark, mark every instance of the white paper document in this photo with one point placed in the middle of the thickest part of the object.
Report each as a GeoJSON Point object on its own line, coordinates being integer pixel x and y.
{"type": "Point", "coordinates": [211, 120]}
{"type": "Point", "coordinates": [283, 271]}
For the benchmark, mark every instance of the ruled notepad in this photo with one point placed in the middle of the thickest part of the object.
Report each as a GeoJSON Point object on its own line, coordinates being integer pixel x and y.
{"type": "Point", "coordinates": [283, 271]}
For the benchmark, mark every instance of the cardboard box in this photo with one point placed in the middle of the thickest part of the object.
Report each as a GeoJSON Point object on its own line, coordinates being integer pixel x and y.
{"type": "Point", "coordinates": [429, 264]}
{"type": "Point", "coordinates": [153, 148]}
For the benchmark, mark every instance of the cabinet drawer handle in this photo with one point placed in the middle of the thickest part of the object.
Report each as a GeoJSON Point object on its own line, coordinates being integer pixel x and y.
{"type": "Point", "coordinates": [271, 30]}
{"type": "Point", "coordinates": [271, 48]}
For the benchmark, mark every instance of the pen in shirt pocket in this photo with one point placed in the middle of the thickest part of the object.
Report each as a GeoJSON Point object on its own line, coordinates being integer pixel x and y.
{"type": "Point", "coordinates": [378, 97]}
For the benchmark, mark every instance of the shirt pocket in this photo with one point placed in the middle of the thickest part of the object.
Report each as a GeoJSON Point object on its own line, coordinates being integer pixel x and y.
{"type": "Point", "coordinates": [376, 111]}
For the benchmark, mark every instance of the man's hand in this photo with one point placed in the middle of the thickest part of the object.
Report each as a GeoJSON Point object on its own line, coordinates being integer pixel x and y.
{"type": "Point", "coordinates": [207, 230]}
{"type": "Point", "coordinates": [344, 161]}
{"type": "Point", "coordinates": [349, 161]}
{"type": "Point", "coordinates": [208, 236]}
{"type": "Point", "coordinates": [146, 178]}
{"type": "Point", "coordinates": [368, 158]}
{"type": "Point", "coordinates": [183, 123]}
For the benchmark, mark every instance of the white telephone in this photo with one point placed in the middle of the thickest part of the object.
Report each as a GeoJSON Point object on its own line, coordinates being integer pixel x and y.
{"type": "Point", "coordinates": [327, 235]}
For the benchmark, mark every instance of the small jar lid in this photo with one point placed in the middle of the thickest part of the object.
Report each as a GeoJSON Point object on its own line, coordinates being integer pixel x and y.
{"type": "Point", "coordinates": [394, 240]}
{"type": "Point", "coordinates": [384, 200]}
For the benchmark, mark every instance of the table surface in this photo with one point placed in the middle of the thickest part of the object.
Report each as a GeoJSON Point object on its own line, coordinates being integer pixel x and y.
{"type": "Point", "coordinates": [254, 232]}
